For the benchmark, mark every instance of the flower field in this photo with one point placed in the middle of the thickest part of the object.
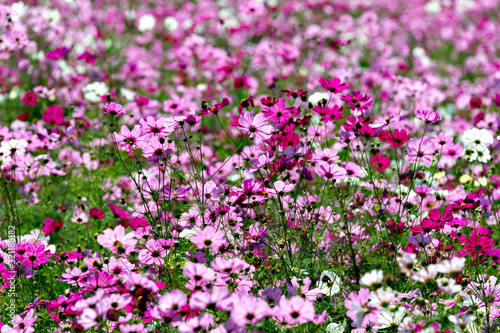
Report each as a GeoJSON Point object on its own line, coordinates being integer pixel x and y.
{"type": "Point", "coordinates": [249, 166]}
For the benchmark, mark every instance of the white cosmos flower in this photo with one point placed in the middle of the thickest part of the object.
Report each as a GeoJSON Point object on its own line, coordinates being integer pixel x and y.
{"type": "Point", "coordinates": [481, 154]}
{"type": "Point", "coordinates": [477, 137]}
{"type": "Point", "coordinates": [461, 322]}
{"type": "Point", "coordinates": [455, 265]}
{"type": "Point", "coordinates": [316, 97]}
{"type": "Point", "coordinates": [336, 327]}
{"type": "Point", "coordinates": [407, 262]}
{"type": "Point", "coordinates": [372, 278]}
{"type": "Point", "coordinates": [13, 147]}
{"type": "Point", "coordinates": [381, 298]}
{"type": "Point", "coordinates": [93, 91]}
{"type": "Point", "coordinates": [448, 286]}
{"type": "Point", "coordinates": [329, 283]}
{"type": "Point", "coordinates": [388, 318]}
{"type": "Point", "coordinates": [171, 23]}
{"type": "Point", "coordinates": [146, 22]}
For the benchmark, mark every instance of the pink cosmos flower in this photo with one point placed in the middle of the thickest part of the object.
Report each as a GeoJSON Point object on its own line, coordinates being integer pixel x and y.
{"type": "Point", "coordinates": [352, 169]}
{"type": "Point", "coordinates": [358, 309]}
{"type": "Point", "coordinates": [296, 310]}
{"type": "Point", "coordinates": [24, 325]}
{"type": "Point", "coordinates": [198, 272]}
{"type": "Point", "coordinates": [173, 300]}
{"type": "Point", "coordinates": [428, 116]}
{"type": "Point", "coordinates": [208, 238]}
{"type": "Point", "coordinates": [152, 254]}
{"type": "Point", "coordinates": [133, 328]}
{"type": "Point", "coordinates": [157, 149]}
{"type": "Point", "coordinates": [116, 240]}
{"type": "Point", "coordinates": [156, 127]}
{"type": "Point", "coordinates": [249, 310]}
{"type": "Point", "coordinates": [327, 155]}
{"type": "Point", "coordinates": [420, 150]}
{"type": "Point", "coordinates": [436, 216]}
{"type": "Point", "coordinates": [279, 112]}
{"type": "Point", "coordinates": [93, 317]}
{"type": "Point", "coordinates": [426, 226]}
{"type": "Point", "coordinates": [281, 188]}
{"type": "Point", "coordinates": [358, 102]}
{"type": "Point", "coordinates": [451, 152]}
{"type": "Point", "coordinates": [329, 171]}
{"type": "Point", "coordinates": [118, 266]}
{"type": "Point", "coordinates": [6, 273]}
{"type": "Point", "coordinates": [196, 324]}
{"type": "Point", "coordinates": [255, 126]}
{"type": "Point", "coordinates": [80, 218]}
{"type": "Point", "coordinates": [442, 139]}
{"type": "Point", "coordinates": [128, 139]}
{"type": "Point", "coordinates": [302, 289]}
{"type": "Point", "coordinates": [422, 190]}
{"type": "Point", "coordinates": [74, 276]}
{"type": "Point", "coordinates": [113, 109]}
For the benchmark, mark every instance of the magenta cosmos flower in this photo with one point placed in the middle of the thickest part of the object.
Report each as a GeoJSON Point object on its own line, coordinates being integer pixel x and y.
{"type": "Point", "coordinates": [208, 238]}
{"type": "Point", "coordinates": [380, 162]}
{"type": "Point", "coordinates": [420, 150]}
{"type": "Point", "coordinates": [50, 226]}
{"type": "Point", "coordinates": [477, 243]}
{"type": "Point", "coordinates": [334, 85]}
{"type": "Point", "coordinates": [116, 240]}
{"type": "Point", "coordinates": [255, 126]}
{"type": "Point", "coordinates": [35, 255]}
{"type": "Point", "coordinates": [29, 98]}
{"type": "Point", "coordinates": [54, 115]}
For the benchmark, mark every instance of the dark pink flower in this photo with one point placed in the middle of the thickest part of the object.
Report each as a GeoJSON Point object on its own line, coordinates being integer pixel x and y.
{"type": "Point", "coordinates": [50, 226]}
{"type": "Point", "coordinates": [119, 213]}
{"type": "Point", "coordinates": [35, 255]}
{"type": "Point", "coordinates": [335, 86]}
{"type": "Point", "coordinates": [96, 213]}
{"type": "Point", "coordinates": [54, 115]}
{"type": "Point", "coordinates": [29, 98]}
{"type": "Point", "coordinates": [380, 162]}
